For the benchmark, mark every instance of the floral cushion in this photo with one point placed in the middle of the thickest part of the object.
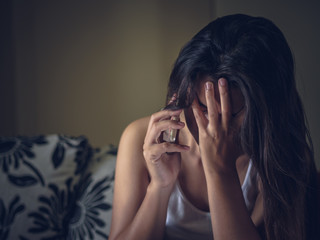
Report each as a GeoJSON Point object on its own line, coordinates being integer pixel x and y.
{"type": "Point", "coordinates": [92, 216]}
{"type": "Point", "coordinates": [49, 189]}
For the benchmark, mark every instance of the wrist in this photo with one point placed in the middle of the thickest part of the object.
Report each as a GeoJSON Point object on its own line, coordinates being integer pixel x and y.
{"type": "Point", "coordinates": [217, 166]}
{"type": "Point", "coordinates": [159, 188]}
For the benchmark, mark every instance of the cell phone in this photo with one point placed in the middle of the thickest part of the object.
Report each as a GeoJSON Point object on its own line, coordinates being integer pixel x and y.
{"type": "Point", "coordinates": [171, 135]}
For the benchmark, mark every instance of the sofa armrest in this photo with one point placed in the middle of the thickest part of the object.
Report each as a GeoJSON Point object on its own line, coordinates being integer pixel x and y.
{"type": "Point", "coordinates": [39, 177]}
{"type": "Point", "coordinates": [92, 215]}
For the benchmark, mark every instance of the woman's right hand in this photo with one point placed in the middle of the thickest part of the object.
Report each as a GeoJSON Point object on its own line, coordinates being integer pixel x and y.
{"type": "Point", "coordinates": [163, 158]}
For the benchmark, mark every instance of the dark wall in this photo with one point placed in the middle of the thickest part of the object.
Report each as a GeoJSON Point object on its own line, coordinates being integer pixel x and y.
{"type": "Point", "coordinates": [7, 111]}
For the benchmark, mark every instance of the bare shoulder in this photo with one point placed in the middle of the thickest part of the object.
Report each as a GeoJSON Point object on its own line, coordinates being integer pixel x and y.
{"type": "Point", "coordinates": [131, 142]}
{"type": "Point", "coordinates": [131, 170]}
{"type": "Point", "coordinates": [137, 129]}
{"type": "Point", "coordinates": [131, 179]}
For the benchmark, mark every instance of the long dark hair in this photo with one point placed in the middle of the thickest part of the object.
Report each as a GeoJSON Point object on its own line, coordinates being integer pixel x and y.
{"type": "Point", "coordinates": [252, 54]}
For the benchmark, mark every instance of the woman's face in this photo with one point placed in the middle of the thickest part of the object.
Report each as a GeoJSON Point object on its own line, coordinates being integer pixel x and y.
{"type": "Point", "coordinates": [236, 100]}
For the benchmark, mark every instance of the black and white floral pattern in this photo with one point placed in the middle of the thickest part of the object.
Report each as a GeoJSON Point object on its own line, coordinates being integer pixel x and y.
{"type": "Point", "coordinates": [92, 216]}
{"type": "Point", "coordinates": [17, 151]}
{"type": "Point", "coordinates": [86, 222]}
{"type": "Point", "coordinates": [54, 211]}
{"type": "Point", "coordinates": [8, 215]}
{"type": "Point", "coordinates": [50, 189]}
{"type": "Point", "coordinates": [84, 152]}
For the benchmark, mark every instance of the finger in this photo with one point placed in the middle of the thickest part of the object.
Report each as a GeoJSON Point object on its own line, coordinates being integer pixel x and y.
{"type": "Point", "coordinates": [225, 103]}
{"type": "Point", "coordinates": [164, 114]}
{"type": "Point", "coordinates": [161, 126]}
{"type": "Point", "coordinates": [201, 120]}
{"type": "Point", "coordinates": [173, 147]}
{"type": "Point", "coordinates": [213, 113]}
{"type": "Point", "coordinates": [155, 151]}
{"type": "Point", "coordinates": [173, 98]}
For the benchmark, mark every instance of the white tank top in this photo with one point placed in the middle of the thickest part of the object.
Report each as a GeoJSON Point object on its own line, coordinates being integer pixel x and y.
{"type": "Point", "coordinates": [186, 222]}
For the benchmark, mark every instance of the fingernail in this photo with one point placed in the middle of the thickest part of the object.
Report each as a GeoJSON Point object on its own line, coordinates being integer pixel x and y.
{"type": "Point", "coordinates": [181, 123]}
{"type": "Point", "coordinates": [209, 85]}
{"type": "Point", "coordinates": [173, 98]}
{"type": "Point", "coordinates": [222, 82]}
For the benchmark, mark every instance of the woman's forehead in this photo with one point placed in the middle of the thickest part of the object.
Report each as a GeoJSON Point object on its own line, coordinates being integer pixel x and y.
{"type": "Point", "coordinates": [202, 80]}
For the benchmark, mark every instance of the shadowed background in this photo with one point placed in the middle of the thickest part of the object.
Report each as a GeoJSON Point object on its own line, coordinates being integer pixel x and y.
{"type": "Point", "coordinates": [92, 67]}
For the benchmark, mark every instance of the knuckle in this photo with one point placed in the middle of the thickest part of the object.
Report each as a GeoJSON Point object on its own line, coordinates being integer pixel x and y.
{"type": "Point", "coordinates": [149, 156]}
{"type": "Point", "coordinates": [153, 157]}
{"type": "Point", "coordinates": [211, 114]}
{"type": "Point", "coordinates": [165, 145]}
{"type": "Point", "coordinates": [155, 125]}
{"type": "Point", "coordinates": [145, 150]}
{"type": "Point", "coordinates": [224, 91]}
{"type": "Point", "coordinates": [226, 111]}
{"type": "Point", "coordinates": [144, 147]}
{"type": "Point", "coordinates": [153, 116]}
{"type": "Point", "coordinates": [204, 135]}
{"type": "Point", "coordinates": [145, 154]}
{"type": "Point", "coordinates": [217, 135]}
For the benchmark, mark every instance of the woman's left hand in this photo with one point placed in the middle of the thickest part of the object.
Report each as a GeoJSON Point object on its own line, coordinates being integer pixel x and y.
{"type": "Point", "coordinates": [217, 130]}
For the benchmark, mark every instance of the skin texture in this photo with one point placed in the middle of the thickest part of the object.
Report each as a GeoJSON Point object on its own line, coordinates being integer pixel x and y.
{"type": "Point", "coordinates": [207, 162]}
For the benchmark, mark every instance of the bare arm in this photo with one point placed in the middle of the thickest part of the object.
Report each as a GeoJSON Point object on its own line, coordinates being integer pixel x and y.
{"type": "Point", "coordinates": [140, 196]}
{"type": "Point", "coordinates": [230, 218]}
{"type": "Point", "coordinates": [137, 208]}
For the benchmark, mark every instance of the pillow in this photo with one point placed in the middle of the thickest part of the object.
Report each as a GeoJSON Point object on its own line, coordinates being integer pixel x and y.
{"type": "Point", "coordinates": [92, 216]}
{"type": "Point", "coordinates": [38, 182]}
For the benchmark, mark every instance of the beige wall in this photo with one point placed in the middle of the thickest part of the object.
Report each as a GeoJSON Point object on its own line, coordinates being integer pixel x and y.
{"type": "Point", "coordinates": [92, 68]}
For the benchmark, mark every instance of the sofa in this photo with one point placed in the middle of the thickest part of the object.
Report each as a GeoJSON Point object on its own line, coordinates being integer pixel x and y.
{"type": "Point", "coordinates": [55, 187]}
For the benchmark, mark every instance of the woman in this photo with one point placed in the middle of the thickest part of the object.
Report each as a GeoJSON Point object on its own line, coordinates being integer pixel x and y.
{"type": "Point", "coordinates": [242, 165]}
